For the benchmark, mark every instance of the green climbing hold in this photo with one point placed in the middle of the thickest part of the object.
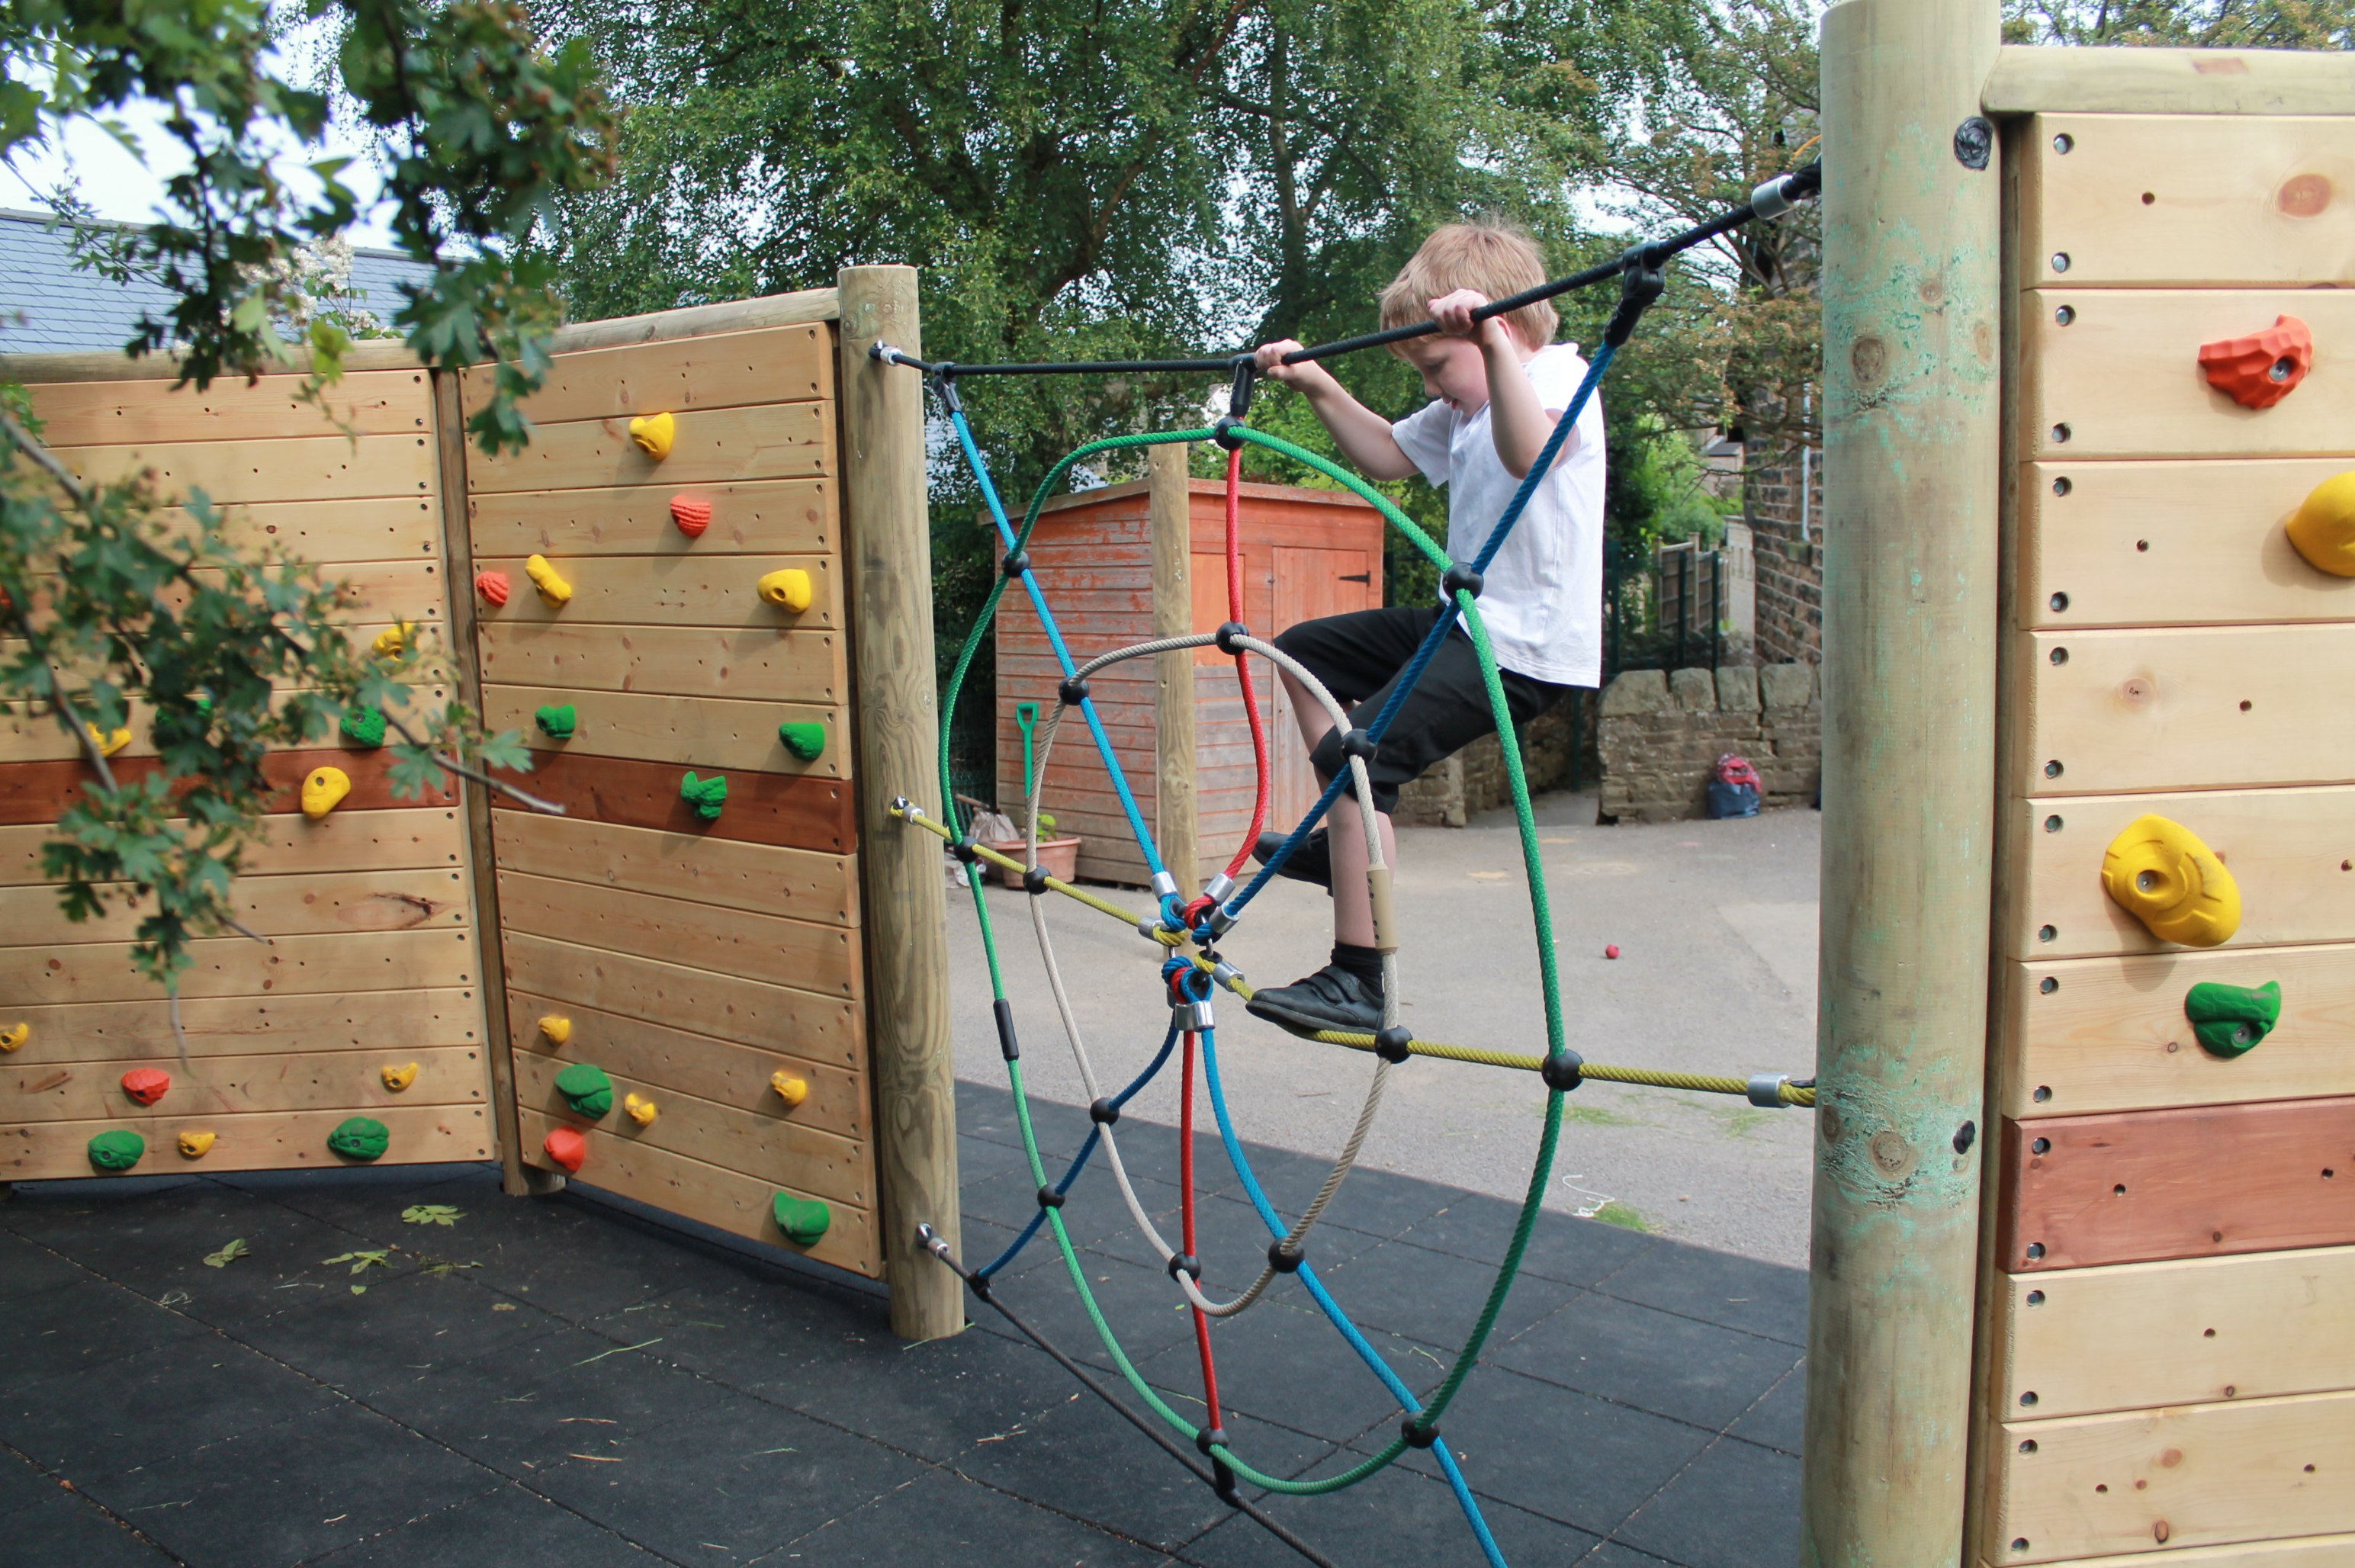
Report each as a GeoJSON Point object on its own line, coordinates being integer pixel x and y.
{"type": "Point", "coordinates": [2229, 1020]}
{"type": "Point", "coordinates": [586, 1089]}
{"type": "Point", "coordinates": [364, 724]}
{"type": "Point", "coordinates": [706, 795]}
{"type": "Point", "coordinates": [807, 742]}
{"type": "Point", "coordinates": [556, 723]}
{"type": "Point", "coordinates": [803, 1219]}
{"type": "Point", "coordinates": [118, 1150]}
{"type": "Point", "coordinates": [360, 1137]}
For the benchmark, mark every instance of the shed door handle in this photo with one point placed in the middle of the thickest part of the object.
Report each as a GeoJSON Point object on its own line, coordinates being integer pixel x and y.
{"type": "Point", "coordinates": [1365, 577]}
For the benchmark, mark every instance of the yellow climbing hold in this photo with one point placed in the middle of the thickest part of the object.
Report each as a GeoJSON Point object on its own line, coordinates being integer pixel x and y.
{"type": "Point", "coordinates": [395, 642]}
{"type": "Point", "coordinates": [557, 1030]}
{"type": "Point", "coordinates": [554, 591]}
{"type": "Point", "coordinates": [399, 1078]}
{"type": "Point", "coordinates": [196, 1145]}
{"type": "Point", "coordinates": [109, 741]}
{"type": "Point", "coordinates": [15, 1035]}
{"type": "Point", "coordinates": [789, 587]}
{"type": "Point", "coordinates": [2159, 872]}
{"type": "Point", "coordinates": [653, 433]}
{"type": "Point", "coordinates": [641, 1112]}
{"type": "Point", "coordinates": [2323, 528]}
{"type": "Point", "coordinates": [324, 791]}
{"type": "Point", "coordinates": [793, 1090]}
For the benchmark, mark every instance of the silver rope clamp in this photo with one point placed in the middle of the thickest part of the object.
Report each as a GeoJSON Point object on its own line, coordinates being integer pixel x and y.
{"type": "Point", "coordinates": [1165, 886]}
{"type": "Point", "coordinates": [1194, 1016]}
{"type": "Point", "coordinates": [1767, 1089]}
{"type": "Point", "coordinates": [1216, 888]}
{"type": "Point", "coordinates": [1226, 974]}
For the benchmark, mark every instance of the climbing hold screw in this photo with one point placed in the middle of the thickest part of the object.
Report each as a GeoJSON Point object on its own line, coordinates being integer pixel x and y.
{"type": "Point", "coordinates": [1394, 1043]}
{"type": "Point", "coordinates": [641, 1112]}
{"type": "Point", "coordinates": [567, 1148]}
{"type": "Point", "coordinates": [109, 741]}
{"type": "Point", "coordinates": [2260, 370]}
{"type": "Point", "coordinates": [706, 795]}
{"type": "Point", "coordinates": [1229, 638]}
{"type": "Point", "coordinates": [146, 1085]}
{"type": "Point", "coordinates": [196, 1145]}
{"type": "Point", "coordinates": [2161, 873]}
{"type": "Point", "coordinates": [396, 641]}
{"type": "Point", "coordinates": [554, 1029]}
{"type": "Point", "coordinates": [324, 791]}
{"type": "Point", "coordinates": [691, 515]}
{"type": "Point", "coordinates": [805, 741]}
{"type": "Point", "coordinates": [15, 1035]}
{"type": "Point", "coordinates": [803, 1219]}
{"type": "Point", "coordinates": [495, 587]}
{"type": "Point", "coordinates": [1563, 1070]}
{"type": "Point", "coordinates": [1102, 1112]}
{"type": "Point", "coordinates": [1284, 1259]}
{"type": "Point", "coordinates": [788, 588]}
{"type": "Point", "coordinates": [360, 1137]}
{"type": "Point", "coordinates": [555, 589]}
{"type": "Point", "coordinates": [558, 723]}
{"type": "Point", "coordinates": [363, 724]}
{"type": "Point", "coordinates": [653, 434]}
{"type": "Point", "coordinates": [118, 1148]}
{"type": "Point", "coordinates": [793, 1090]}
{"type": "Point", "coordinates": [586, 1089]}
{"type": "Point", "coordinates": [399, 1078]}
{"type": "Point", "coordinates": [2323, 528]}
{"type": "Point", "coordinates": [1071, 693]}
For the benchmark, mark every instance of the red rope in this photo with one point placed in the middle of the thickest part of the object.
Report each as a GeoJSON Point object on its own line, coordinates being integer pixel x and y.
{"type": "Point", "coordinates": [1185, 1188]}
{"type": "Point", "coordinates": [1243, 669]}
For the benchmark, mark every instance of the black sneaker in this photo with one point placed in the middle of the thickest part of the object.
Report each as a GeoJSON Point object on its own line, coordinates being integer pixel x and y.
{"type": "Point", "coordinates": [1312, 862]}
{"type": "Point", "coordinates": [1331, 999]}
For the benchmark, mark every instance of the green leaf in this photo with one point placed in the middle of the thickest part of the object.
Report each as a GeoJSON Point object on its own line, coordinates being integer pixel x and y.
{"type": "Point", "coordinates": [227, 1255]}
{"type": "Point", "coordinates": [432, 1215]}
{"type": "Point", "coordinates": [360, 1260]}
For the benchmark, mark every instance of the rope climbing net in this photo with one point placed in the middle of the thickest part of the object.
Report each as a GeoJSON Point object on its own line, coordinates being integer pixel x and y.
{"type": "Point", "coordinates": [1186, 936]}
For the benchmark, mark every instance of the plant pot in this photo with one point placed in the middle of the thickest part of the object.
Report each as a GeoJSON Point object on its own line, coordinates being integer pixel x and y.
{"type": "Point", "coordinates": [1060, 857]}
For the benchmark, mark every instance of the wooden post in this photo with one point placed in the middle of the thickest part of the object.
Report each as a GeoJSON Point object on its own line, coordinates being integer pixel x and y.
{"type": "Point", "coordinates": [887, 544]}
{"type": "Point", "coordinates": [1169, 507]}
{"type": "Point", "coordinates": [1911, 292]}
{"type": "Point", "coordinates": [458, 556]}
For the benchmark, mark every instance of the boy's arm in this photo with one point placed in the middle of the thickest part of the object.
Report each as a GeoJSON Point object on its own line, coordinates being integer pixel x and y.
{"type": "Point", "coordinates": [1518, 422]}
{"type": "Point", "coordinates": [1363, 435]}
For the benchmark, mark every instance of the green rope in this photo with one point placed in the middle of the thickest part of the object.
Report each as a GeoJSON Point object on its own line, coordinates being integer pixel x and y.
{"type": "Point", "coordinates": [1398, 519]}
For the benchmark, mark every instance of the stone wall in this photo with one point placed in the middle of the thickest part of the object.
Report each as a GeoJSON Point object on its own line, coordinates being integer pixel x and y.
{"type": "Point", "coordinates": [1788, 547]}
{"type": "Point", "coordinates": [1474, 779]}
{"type": "Point", "coordinates": [1662, 732]}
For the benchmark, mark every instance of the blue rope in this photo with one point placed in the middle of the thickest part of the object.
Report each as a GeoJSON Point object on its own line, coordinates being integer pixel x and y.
{"type": "Point", "coordinates": [1442, 626]}
{"type": "Point", "coordinates": [1079, 1163]}
{"type": "Point", "coordinates": [1055, 641]}
{"type": "Point", "coordinates": [1332, 1310]}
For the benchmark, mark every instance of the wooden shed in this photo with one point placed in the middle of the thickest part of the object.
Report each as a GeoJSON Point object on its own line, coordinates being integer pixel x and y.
{"type": "Point", "coordinates": [1306, 553]}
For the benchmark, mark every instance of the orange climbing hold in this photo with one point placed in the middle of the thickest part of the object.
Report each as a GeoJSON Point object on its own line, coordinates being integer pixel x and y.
{"type": "Point", "coordinates": [493, 586]}
{"type": "Point", "coordinates": [788, 588]}
{"type": "Point", "coordinates": [653, 434]}
{"type": "Point", "coordinates": [554, 591]}
{"type": "Point", "coordinates": [2260, 370]}
{"type": "Point", "coordinates": [567, 1148]}
{"type": "Point", "coordinates": [556, 1027]}
{"type": "Point", "coordinates": [692, 515]}
{"type": "Point", "coordinates": [146, 1085]}
{"type": "Point", "coordinates": [399, 1078]}
{"type": "Point", "coordinates": [2323, 528]}
{"type": "Point", "coordinates": [196, 1145]}
{"type": "Point", "coordinates": [793, 1090]}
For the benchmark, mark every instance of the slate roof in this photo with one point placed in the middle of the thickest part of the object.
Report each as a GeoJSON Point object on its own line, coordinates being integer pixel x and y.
{"type": "Point", "coordinates": [68, 312]}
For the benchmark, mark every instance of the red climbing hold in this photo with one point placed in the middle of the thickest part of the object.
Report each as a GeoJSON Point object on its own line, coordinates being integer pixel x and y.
{"type": "Point", "coordinates": [1611, 951]}
{"type": "Point", "coordinates": [691, 515]}
{"type": "Point", "coordinates": [493, 586]}
{"type": "Point", "coordinates": [146, 1085]}
{"type": "Point", "coordinates": [567, 1148]}
{"type": "Point", "coordinates": [2262, 368]}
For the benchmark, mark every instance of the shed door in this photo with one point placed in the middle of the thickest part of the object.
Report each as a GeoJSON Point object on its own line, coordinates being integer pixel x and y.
{"type": "Point", "coordinates": [1310, 583]}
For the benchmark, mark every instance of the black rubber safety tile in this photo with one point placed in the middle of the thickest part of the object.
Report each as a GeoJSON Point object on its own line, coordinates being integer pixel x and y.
{"type": "Point", "coordinates": [739, 1479]}
{"type": "Point", "coordinates": [1436, 1297]}
{"type": "Point", "coordinates": [283, 1267]}
{"type": "Point", "coordinates": [367, 1200]}
{"type": "Point", "coordinates": [943, 1521]}
{"type": "Point", "coordinates": [1008, 1198]}
{"type": "Point", "coordinates": [112, 1227]}
{"type": "Point", "coordinates": [1394, 1517]}
{"type": "Point", "coordinates": [67, 1529]}
{"type": "Point", "coordinates": [1617, 1554]}
{"type": "Point", "coordinates": [752, 1331]}
{"type": "Point", "coordinates": [1561, 1246]}
{"type": "Point", "coordinates": [1142, 1305]}
{"type": "Point", "coordinates": [27, 1267]}
{"type": "Point", "coordinates": [1290, 1366]}
{"type": "Point", "coordinates": [577, 1260]}
{"type": "Point", "coordinates": [405, 1328]}
{"type": "Point", "coordinates": [1779, 1421]}
{"type": "Point", "coordinates": [21, 1485]}
{"type": "Point", "coordinates": [1719, 1287]}
{"type": "Point", "coordinates": [978, 1160]}
{"type": "Point", "coordinates": [153, 1405]}
{"type": "Point", "coordinates": [1382, 1204]}
{"type": "Point", "coordinates": [1567, 1455]}
{"type": "Point", "coordinates": [1737, 1507]}
{"type": "Point", "coordinates": [509, 1526]}
{"type": "Point", "coordinates": [342, 1178]}
{"type": "Point", "coordinates": [1233, 1239]}
{"type": "Point", "coordinates": [288, 1492]}
{"type": "Point", "coordinates": [74, 1328]}
{"type": "Point", "coordinates": [936, 1399]}
{"type": "Point", "coordinates": [1654, 1360]}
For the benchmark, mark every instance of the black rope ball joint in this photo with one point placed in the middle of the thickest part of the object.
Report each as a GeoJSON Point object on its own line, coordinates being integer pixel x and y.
{"type": "Point", "coordinates": [964, 851]}
{"type": "Point", "coordinates": [1071, 693]}
{"type": "Point", "coordinates": [1228, 634]}
{"type": "Point", "coordinates": [1049, 1199]}
{"type": "Point", "coordinates": [1284, 1260]}
{"type": "Point", "coordinates": [1562, 1071]}
{"type": "Point", "coordinates": [1360, 743]}
{"type": "Point", "coordinates": [1104, 1113]}
{"type": "Point", "coordinates": [1017, 564]}
{"type": "Point", "coordinates": [1210, 1437]}
{"type": "Point", "coordinates": [1034, 880]}
{"type": "Point", "coordinates": [1224, 432]}
{"type": "Point", "coordinates": [1418, 1436]}
{"type": "Point", "coordinates": [1462, 578]}
{"type": "Point", "coordinates": [1185, 1263]}
{"type": "Point", "coordinates": [1394, 1044]}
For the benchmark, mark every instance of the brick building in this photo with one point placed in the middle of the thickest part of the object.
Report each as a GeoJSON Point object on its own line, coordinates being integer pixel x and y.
{"type": "Point", "coordinates": [1782, 499]}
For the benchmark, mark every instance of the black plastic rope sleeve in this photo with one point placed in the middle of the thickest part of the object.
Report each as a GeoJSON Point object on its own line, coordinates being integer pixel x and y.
{"type": "Point", "coordinates": [1006, 1045]}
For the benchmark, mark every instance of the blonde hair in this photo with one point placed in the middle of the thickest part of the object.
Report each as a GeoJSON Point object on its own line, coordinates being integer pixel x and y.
{"type": "Point", "coordinates": [1498, 258]}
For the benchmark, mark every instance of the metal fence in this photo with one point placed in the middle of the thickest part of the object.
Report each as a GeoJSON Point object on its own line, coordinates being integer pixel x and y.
{"type": "Point", "coordinates": [1664, 613]}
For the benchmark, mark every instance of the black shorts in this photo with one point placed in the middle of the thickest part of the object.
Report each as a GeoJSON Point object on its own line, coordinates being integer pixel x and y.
{"type": "Point", "coordinates": [1359, 657]}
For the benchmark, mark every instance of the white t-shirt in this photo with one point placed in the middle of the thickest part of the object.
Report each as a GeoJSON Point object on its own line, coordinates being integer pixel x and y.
{"type": "Point", "coordinates": [1543, 596]}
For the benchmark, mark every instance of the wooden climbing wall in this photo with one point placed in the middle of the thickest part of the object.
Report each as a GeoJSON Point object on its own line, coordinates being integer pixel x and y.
{"type": "Point", "coordinates": [2166, 1346]}
{"type": "Point", "coordinates": [372, 959]}
{"type": "Point", "coordinates": [694, 960]}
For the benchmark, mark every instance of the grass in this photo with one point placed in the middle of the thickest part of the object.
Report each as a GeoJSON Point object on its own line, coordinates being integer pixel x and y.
{"type": "Point", "coordinates": [1595, 1116]}
{"type": "Point", "coordinates": [1740, 1121]}
{"type": "Point", "coordinates": [1622, 1215]}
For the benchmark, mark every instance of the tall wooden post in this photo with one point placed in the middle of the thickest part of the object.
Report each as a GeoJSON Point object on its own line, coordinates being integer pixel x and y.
{"type": "Point", "coordinates": [887, 541]}
{"type": "Point", "coordinates": [1169, 508]}
{"type": "Point", "coordinates": [1911, 275]}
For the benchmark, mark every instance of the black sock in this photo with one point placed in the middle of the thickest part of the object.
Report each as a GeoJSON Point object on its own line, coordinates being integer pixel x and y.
{"type": "Point", "coordinates": [1365, 963]}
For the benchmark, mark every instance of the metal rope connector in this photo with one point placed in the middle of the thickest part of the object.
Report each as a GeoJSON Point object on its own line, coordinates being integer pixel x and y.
{"type": "Point", "coordinates": [1767, 1089]}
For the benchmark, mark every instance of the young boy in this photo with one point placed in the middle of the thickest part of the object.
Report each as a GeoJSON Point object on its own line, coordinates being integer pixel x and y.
{"type": "Point", "coordinates": [1497, 389]}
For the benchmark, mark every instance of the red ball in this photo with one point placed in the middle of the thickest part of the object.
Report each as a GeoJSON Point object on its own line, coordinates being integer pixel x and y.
{"type": "Point", "coordinates": [1612, 951]}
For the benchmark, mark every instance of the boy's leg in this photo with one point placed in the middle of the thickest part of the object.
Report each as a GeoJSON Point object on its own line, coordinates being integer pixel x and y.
{"type": "Point", "coordinates": [1353, 904]}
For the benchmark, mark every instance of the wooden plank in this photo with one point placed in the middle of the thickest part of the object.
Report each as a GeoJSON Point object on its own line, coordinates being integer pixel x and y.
{"type": "Point", "coordinates": [758, 517]}
{"type": "Point", "coordinates": [2029, 79]}
{"type": "Point", "coordinates": [695, 320]}
{"type": "Point", "coordinates": [108, 364]}
{"type": "Point", "coordinates": [36, 791]}
{"type": "Point", "coordinates": [762, 809]}
{"type": "Point", "coordinates": [2110, 1034]}
{"type": "Point", "coordinates": [2306, 1552]}
{"type": "Point", "coordinates": [778, 1150]}
{"type": "Point", "coordinates": [679, 376]}
{"type": "Point", "coordinates": [2122, 379]}
{"type": "Point", "coordinates": [31, 734]}
{"type": "Point", "coordinates": [775, 441]}
{"type": "Point", "coordinates": [802, 954]}
{"type": "Point", "coordinates": [2197, 1181]}
{"type": "Point", "coordinates": [670, 590]}
{"type": "Point", "coordinates": [2161, 199]}
{"type": "Point", "coordinates": [762, 877]}
{"type": "Point", "coordinates": [2080, 1341]}
{"type": "Point", "coordinates": [398, 527]}
{"type": "Point", "coordinates": [412, 840]}
{"type": "Point", "coordinates": [416, 1019]}
{"type": "Point", "coordinates": [2288, 850]}
{"type": "Point", "coordinates": [223, 1085]}
{"type": "Point", "coordinates": [726, 1006]}
{"type": "Point", "coordinates": [705, 733]}
{"type": "Point", "coordinates": [95, 413]}
{"type": "Point", "coordinates": [2181, 1476]}
{"type": "Point", "coordinates": [313, 468]}
{"type": "Point", "coordinates": [2185, 708]}
{"type": "Point", "coordinates": [699, 1065]}
{"type": "Point", "coordinates": [2170, 544]}
{"type": "Point", "coordinates": [375, 592]}
{"type": "Point", "coordinates": [299, 905]}
{"type": "Point", "coordinates": [270, 1140]}
{"type": "Point", "coordinates": [233, 967]}
{"type": "Point", "coordinates": [707, 1195]}
{"type": "Point", "coordinates": [760, 664]}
